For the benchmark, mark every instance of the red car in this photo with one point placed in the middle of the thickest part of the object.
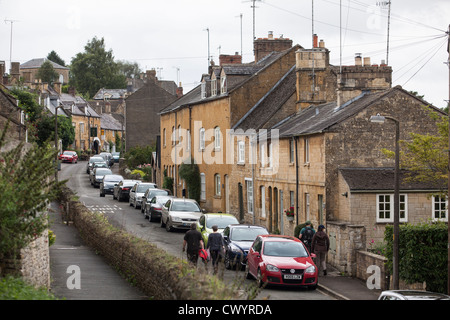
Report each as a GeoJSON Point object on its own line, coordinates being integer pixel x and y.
{"type": "Point", "coordinates": [69, 156]}
{"type": "Point", "coordinates": [281, 260]}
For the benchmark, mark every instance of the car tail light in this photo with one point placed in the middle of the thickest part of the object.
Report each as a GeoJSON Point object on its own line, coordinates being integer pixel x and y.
{"type": "Point", "coordinates": [125, 189]}
{"type": "Point", "coordinates": [157, 208]}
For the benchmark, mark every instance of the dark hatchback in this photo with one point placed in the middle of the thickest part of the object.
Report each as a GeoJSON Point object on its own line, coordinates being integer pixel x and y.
{"type": "Point", "coordinates": [238, 240]}
{"type": "Point", "coordinates": [122, 189]}
{"type": "Point", "coordinates": [108, 182]}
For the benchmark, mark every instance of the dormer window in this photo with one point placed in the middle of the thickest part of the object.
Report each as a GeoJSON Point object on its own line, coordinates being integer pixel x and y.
{"type": "Point", "coordinates": [203, 88]}
{"type": "Point", "coordinates": [213, 87]}
{"type": "Point", "coordinates": [223, 84]}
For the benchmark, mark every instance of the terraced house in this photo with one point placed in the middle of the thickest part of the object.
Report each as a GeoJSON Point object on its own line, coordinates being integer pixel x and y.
{"type": "Point", "coordinates": [197, 125]}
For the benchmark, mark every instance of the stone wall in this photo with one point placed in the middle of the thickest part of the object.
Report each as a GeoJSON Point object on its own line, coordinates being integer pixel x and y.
{"type": "Point", "coordinates": [33, 263]}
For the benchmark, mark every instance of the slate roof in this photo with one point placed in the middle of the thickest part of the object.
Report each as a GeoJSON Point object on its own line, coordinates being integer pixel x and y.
{"type": "Point", "coordinates": [108, 122]}
{"type": "Point", "coordinates": [270, 104]}
{"type": "Point", "coordinates": [237, 75]}
{"type": "Point", "coordinates": [112, 94]}
{"type": "Point", "coordinates": [37, 63]}
{"type": "Point", "coordinates": [382, 179]}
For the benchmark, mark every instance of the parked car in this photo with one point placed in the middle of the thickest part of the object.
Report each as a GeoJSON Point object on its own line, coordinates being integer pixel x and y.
{"type": "Point", "coordinates": [91, 162]}
{"type": "Point", "coordinates": [148, 196]}
{"type": "Point", "coordinates": [412, 295]}
{"type": "Point", "coordinates": [100, 164]}
{"type": "Point", "coordinates": [98, 174]}
{"type": "Point", "coordinates": [116, 156]}
{"type": "Point", "coordinates": [180, 213]}
{"type": "Point", "coordinates": [108, 158]}
{"type": "Point", "coordinates": [122, 189]}
{"type": "Point", "coordinates": [281, 260]}
{"type": "Point", "coordinates": [69, 156]}
{"type": "Point", "coordinates": [138, 190]}
{"type": "Point", "coordinates": [154, 208]}
{"type": "Point", "coordinates": [208, 220]}
{"type": "Point", "coordinates": [108, 182]}
{"type": "Point", "coordinates": [238, 238]}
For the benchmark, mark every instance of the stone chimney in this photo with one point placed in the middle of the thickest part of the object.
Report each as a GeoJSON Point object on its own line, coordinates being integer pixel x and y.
{"type": "Point", "coordinates": [264, 46]}
{"type": "Point", "coordinates": [179, 91]}
{"type": "Point", "coordinates": [15, 72]}
{"type": "Point", "coordinates": [2, 70]}
{"type": "Point", "coordinates": [230, 59]}
{"type": "Point", "coordinates": [151, 75]}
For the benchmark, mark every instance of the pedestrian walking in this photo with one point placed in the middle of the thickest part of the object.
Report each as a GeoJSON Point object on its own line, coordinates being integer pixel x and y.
{"type": "Point", "coordinates": [194, 242]}
{"type": "Point", "coordinates": [216, 247]}
{"type": "Point", "coordinates": [320, 246]}
{"type": "Point", "coordinates": [307, 234]}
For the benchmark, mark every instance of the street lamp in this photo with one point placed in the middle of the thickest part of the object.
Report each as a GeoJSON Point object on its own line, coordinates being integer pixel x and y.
{"type": "Point", "coordinates": [395, 256]}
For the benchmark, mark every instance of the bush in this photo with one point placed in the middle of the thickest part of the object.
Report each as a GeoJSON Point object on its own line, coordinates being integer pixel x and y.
{"type": "Point", "coordinates": [191, 174]}
{"type": "Point", "coordinates": [12, 288]}
{"type": "Point", "coordinates": [138, 155]}
{"type": "Point", "coordinates": [422, 252]}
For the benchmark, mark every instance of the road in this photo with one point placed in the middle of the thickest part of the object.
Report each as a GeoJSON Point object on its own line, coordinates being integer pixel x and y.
{"type": "Point", "coordinates": [122, 215]}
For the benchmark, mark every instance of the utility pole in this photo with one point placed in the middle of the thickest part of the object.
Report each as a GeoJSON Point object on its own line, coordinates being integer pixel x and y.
{"type": "Point", "coordinates": [10, 40]}
{"type": "Point", "coordinates": [448, 194]}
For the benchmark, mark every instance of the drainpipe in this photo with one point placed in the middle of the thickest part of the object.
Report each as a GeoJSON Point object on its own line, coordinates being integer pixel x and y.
{"type": "Point", "coordinates": [296, 178]}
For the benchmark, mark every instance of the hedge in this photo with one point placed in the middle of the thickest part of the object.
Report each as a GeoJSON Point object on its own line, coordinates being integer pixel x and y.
{"type": "Point", "coordinates": [422, 254]}
{"type": "Point", "coordinates": [158, 274]}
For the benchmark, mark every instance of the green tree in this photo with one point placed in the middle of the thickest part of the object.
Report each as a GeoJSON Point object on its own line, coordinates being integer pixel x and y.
{"type": "Point", "coordinates": [47, 73]}
{"type": "Point", "coordinates": [129, 69]}
{"type": "Point", "coordinates": [27, 187]}
{"type": "Point", "coordinates": [95, 68]}
{"type": "Point", "coordinates": [190, 172]}
{"type": "Point", "coordinates": [46, 130]}
{"type": "Point", "coordinates": [426, 155]}
{"type": "Point", "coordinates": [53, 56]}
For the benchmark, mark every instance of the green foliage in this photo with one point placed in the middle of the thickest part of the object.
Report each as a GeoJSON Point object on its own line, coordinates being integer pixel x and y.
{"type": "Point", "coordinates": [53, 56]}
{"type": "Point", "coordinates": [28, 103]}
{"type": "Point", "coordinates": [422, 252]}
{"type": "Point", "coordinates": [191, 174]}
{"type": "Point", "coordinates": [426, 156]}
{"type": "Point", "coordinates": [138, 156]}
{"type": "Point", "coordinates": [95, 68]}
{"type": "Point", "coordinates": [12, 288]}
{"type": "Point", "coordinates": [27, 185]}
{"type": "Point", "coordinates": [168, 183]}
{"type": "Point", "coordinates": [47, 73]}
{"type": "Point", "coordinates": [46, 130]}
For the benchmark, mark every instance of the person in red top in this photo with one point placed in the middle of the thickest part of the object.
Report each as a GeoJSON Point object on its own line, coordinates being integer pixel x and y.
{"type": "Point", "coordinates": [320, 245]}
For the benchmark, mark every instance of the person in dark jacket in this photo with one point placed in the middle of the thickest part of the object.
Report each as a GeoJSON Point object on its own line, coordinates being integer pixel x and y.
{"type": "Point", "coordinates": [216, 246]}
{"type": "Point", "coordinates": [194, 242]}
{"type": "Point", "coordinates": [320, 246]}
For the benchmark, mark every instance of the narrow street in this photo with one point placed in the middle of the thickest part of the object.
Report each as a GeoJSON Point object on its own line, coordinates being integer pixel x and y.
{"type": "Point", "coordinates": [122, 215]}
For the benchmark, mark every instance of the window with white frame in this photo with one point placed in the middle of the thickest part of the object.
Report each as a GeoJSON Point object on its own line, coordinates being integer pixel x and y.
{"type": "Point", "coordinates": [217, 138]}
{"type": "Point", "coordinates": [385, 208]}
{"type": "Point", "coordinates": [213, 87]}
{"type": "Point", "coordinates": [223, 84]}
{"type": "Point", "coordinates": [203, 89]}
{"type": "Point", "coordinates": [291, 151]}
{"type": "Point", "coordinates": [202, 138]}
{"type": "Point", "coordinates": [249, 184]}
{"type": "Point", "coordinates": [270, 155]}
{"type": "Point", "coordinates": [440, 210]}
{"type": "Point", "coordinates": [262, 153]}
{"type": "Point", "coordinates": [188, 137]}
{"type": "Point", "coordinates": [164, 137]}
{"type": "Point", "coordinates": [202, 186]}
{"type": "Point", "coordinates": [241, 152]}
{"type": "Point", "coordinates": [306, 151]}
{"type": "Point", "coordinates": [217, 184]}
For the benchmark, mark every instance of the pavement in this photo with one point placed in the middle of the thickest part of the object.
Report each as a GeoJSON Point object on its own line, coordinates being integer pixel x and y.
{"type": "Point", "coordinates": [343, 287]}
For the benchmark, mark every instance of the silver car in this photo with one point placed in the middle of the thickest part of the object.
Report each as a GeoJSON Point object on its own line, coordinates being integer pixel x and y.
{"type": "Point", "coordinates": [411, 295]}
{"type": "Point", "coordinates": [98, 175]}
{"type": "Point", "coordinates": [180, 213]}
{"type": "Point", "coordinates": [138, 191]}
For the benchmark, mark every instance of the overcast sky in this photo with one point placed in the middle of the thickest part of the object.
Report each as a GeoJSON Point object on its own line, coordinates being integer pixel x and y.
{"type": "Point", "coordinates": [170, 36]}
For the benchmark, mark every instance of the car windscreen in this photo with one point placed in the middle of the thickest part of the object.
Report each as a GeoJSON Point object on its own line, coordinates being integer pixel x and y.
{"type": "Point", "coordinates": [98, 159]}
{"type": "Point", "coordinates": [111, 178]}
{"type": "Point", "coordinates": [102, 172]}
{"type": "Point", "coordinates": [185, 206]}
{"type": "Point", "coordinates": [246, 234]}
{"type": "Point", "coordinates": [69, 153]}
{"type": "Point", "coordinates": [284, 249]}
{"type": "Point", "coordinates": [220, 221]}
{"type": "Point", "coordinates": [143, 187]}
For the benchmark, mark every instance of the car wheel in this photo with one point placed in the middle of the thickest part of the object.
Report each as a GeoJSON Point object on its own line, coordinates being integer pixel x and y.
{"type": "Point", "coordinates": [259, 279]}
{"type": "Point", "coordinates": [227, 261]}
{"type": "Point", "coordinates": [169, 227]}
{"type": "Point", "coordinates": [247, 273]}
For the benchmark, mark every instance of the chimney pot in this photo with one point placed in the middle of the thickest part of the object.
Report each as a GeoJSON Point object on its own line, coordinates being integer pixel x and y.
{"type": "Point", "coordinates": [270, 35]}
{"type": "Point", "coordinates": [315, 39]}
{"type": "Point", "coordinates": [366, 61]}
